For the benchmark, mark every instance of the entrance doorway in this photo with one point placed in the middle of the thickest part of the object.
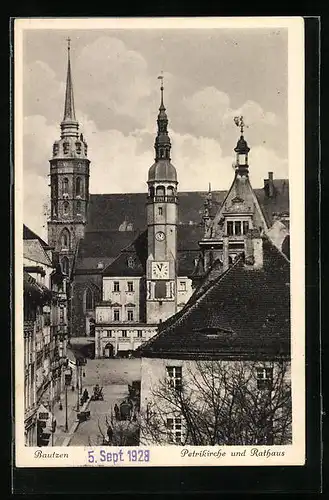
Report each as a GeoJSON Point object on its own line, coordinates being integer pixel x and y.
{"type": "Point", "coordinates": [108, 351]}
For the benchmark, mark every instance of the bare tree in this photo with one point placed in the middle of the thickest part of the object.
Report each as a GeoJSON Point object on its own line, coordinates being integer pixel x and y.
{"type": "Point", "coordinates": [221, 403]}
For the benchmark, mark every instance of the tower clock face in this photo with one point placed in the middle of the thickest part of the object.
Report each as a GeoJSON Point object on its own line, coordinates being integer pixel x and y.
{"type": "Point", "coordinates": [160, 236]}
{"type": "Point", "coordinates": [160, 270]}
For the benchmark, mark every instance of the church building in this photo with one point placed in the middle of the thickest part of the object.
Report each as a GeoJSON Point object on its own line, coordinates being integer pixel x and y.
{"type": "Point", "coordinates": [134, 259]}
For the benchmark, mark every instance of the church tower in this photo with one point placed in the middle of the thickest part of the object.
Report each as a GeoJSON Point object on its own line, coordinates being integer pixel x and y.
{"type": "Point", "coordinates": [69, 181]}
{"type": "Point", "coordinates": [161, 269]}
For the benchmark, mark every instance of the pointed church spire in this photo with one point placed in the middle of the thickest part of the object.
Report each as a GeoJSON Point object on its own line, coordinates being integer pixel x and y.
{"type": "Point", "coordinates": [162, 142]}
{"type": "Point", "coordinates": [69, 111]}
{"type": "Point", "coordinates": [69, 124]}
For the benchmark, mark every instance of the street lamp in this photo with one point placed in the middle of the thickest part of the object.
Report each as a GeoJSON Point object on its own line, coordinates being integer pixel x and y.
{"type": "Point", "coordinates": [68, 380]}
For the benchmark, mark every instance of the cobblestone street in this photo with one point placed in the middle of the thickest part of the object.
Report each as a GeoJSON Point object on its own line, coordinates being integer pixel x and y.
{"type": "Point", "coordinates": [113, 375]}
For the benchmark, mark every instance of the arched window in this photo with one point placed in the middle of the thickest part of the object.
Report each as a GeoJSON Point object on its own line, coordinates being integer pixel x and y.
{"type": "Point", "coordinates": [78, 207]}
{"type": "Point", "coordinates": [78, 186]}
{"type": "Point", "coordinates": [89, 299]}
{"type": "Point", "coordinates": [66, 207]}
{"type": "Point", "coordinates": [160, 191]}
{"type": "Point", "coordinates": [65, 185]}
{"type": "Point", "coordinates": [66, 147]}
{"type": "Point", "coordinates": [170, 191]}
{"type": "Point", "coordinates": [151, 191]}
{"type": "Point", "coordinates": [66, 266]}
{"type": "Point", "coordinates": [65, 238]}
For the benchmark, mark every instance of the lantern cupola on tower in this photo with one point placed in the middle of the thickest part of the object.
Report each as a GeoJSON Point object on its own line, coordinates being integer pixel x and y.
{"type": "Point", "coordinates": [241, 149]}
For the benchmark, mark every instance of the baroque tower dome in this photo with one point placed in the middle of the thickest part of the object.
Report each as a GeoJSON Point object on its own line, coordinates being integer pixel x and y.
{"type": "Point", "coordinates": [162, 169]}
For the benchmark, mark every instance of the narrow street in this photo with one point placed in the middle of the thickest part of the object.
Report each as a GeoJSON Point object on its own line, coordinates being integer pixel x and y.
{"type": "Point", "coordinates": [113, 375]}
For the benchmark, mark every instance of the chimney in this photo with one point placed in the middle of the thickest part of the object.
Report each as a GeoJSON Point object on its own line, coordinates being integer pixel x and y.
{"type": "Point", "coordinates": [254, 250]}
{"type": "Point", "coordinates": [225, 253]}
{"type": "Point", "coordinates": [269, 185]}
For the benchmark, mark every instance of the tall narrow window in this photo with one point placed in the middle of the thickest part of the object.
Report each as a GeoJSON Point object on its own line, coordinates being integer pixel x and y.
{"type": "Point", "coordinates": [170, 191]}
{"type": "Point", "coordinates": [78, 147]}
{"type": "Point", "coordinates": [116, 286]}
{"type": "Point", "coordinates": [65, 185]}
{"type": "Point", "coordinates": [130, 315]}
{"type": "Point", "coordinates": [65, 239]}
{"type": "Point", "coordinates": [245, 226]}
{"type": "Point", "coordinates": [229, 228]}
{"type": "Point", "coordinates": [65, 208]}
{"type": "Point", "coordinates": [65, 265]}
{"type": "Point", "coordinates": [116, 315]}
{"type": "Point", "coordinates": [89, 299]}
{"type": "Point", "coordinates": [160, 191]}
{"type": "Point", "coordinates": [78, 207]}
{"type": "Point", "coordinates": [160, 211]}
{"type": "Point", "coordinates": [130, 286]}
{"type": "Point", "coordinates": [237, 228]}
{"type": "Point", "coordinates": [66, 147]}
{"type": "Point", "coordinates": [78, 186]}
{"type": "Point", "coordinates": [124, 334]}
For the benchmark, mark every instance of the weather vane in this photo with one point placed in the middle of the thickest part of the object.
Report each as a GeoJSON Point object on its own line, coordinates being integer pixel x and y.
{"type": "Point", "coordinates": [239, 122]}
{"type": "Point", "coordinates": [161, 77]}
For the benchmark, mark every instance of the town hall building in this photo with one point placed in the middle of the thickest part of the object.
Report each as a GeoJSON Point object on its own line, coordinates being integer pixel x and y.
{"type": "Point", "coordinates": [134, 259]}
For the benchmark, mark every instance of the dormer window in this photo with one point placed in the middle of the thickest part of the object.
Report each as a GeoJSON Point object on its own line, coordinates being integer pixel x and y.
{"type": "Point", "coordinates": [245, 225]}
{"type": "Point", "coordinates": [66, 147]}
{"type": "Point", "coordinates": [237, 228]}
{"type": "Point", "coordinates": [230, 228]}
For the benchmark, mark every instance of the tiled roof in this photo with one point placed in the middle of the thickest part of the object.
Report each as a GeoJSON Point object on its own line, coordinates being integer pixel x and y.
{"type": "Point", "coordinates": [33, 250]}
{"type": "Point", "coordinates": [28, 234]}
{"type": "Point", "coordinates": [132, 260]}
{"type": "Point", "coordinates": [243, 312]}
{"type": "Point", "coordinates": [278, 203]}
{"type": "Point", "coordinates": [109, 212]}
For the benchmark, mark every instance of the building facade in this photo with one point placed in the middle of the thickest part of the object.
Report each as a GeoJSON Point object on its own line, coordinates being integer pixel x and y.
{"type": "Point", "coordinates": [45, 335]}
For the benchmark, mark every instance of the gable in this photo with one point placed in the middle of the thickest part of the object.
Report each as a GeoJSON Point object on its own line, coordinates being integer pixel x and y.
{"type": "Point", "coordinates": [34, 251]}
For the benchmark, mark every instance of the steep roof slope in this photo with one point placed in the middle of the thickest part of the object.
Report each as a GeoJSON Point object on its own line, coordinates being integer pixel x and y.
{"type": "Point", "coordinates": [243, 312]}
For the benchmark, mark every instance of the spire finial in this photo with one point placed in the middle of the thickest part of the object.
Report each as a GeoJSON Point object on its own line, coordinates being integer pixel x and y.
{"type": "Point", "coordinates": [239, 122]}
{"type": "Point", "coordinates": [68, 44]}
{"type": "Point", "coordinates": [161, 77]}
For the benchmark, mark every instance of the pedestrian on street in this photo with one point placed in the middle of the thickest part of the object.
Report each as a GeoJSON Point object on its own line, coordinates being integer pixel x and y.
{"type": "Point", "coordinates": [85, 395]}
{"type": "Point", "coordinates": [110, 434]}
{"type": "Point", "coordinates": [116, 412]}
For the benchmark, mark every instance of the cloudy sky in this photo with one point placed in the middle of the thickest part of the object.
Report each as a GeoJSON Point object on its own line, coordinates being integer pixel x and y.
{"type": "Point", "coordinates": [211, 75]}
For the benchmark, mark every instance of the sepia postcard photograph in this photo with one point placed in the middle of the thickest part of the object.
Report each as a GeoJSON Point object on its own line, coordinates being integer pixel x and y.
{"type": "Point", "coordinates": [159, 242]}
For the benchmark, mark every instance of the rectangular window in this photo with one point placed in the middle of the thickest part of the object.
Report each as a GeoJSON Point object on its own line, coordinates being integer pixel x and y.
{"type": "Point", "coordinates": [124, 333]}
{"type": "Point", "coordinates": [174, 430]}
{"type": "Point", "coordinates": [130, 315]}
{"type": "Point", "coordinates": [109, 333]}
{"type": "Point", "coordinates": [229, 228]}
{"type": "Point", "coordinates": [130, 286]}
{"type": "Point", "coordinates": [174, 375]}
{"type": "Point", "coordinates": [139, 334]}
{"type": "Point", "coordinates": [264, 378]}
{"type": "Point", "coordinates": [116, 286]}
{"type": "Point", "coordinates": [116, 315]}
{"type": "Point", "coordinates": [245, 226]}
{"type": "Point", "coordinates": [160, 211]}
{"type": "Point", "coordinates": [182, 286]}
{"type": "Point", "coordinates": [237, 228]}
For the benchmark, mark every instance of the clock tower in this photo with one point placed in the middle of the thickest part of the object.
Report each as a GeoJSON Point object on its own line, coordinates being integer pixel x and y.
{"type": "Point", "coordinates": [69, 182]}
{"type": "Point", "coordinates": [162, 227]}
